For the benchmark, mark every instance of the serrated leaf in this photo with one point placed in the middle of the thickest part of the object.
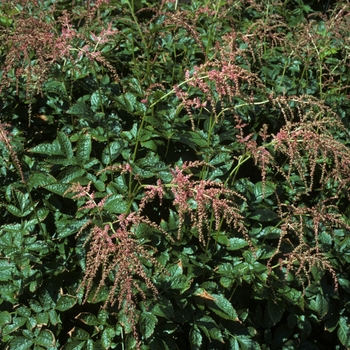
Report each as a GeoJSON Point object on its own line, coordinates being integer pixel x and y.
{"type": "Point", "coordinates": [42, 318]}
{"type": "Point", "coordinates": [88, 318]}
{"type": "Point", "coordinates": [107, 337]}
{"type": "Point", "coordinates": [102, 316]}
{"type": "Point", "coordinates": [35, 306]}
{"type": "Point", "coordinates": [7, 291]}
{"type": "Point", "coordinates": [126, 102]}
{"type": "Point", "coordinates": [45, 338]}
{"type": "Point", "coordinates": [262, 191]}
{"type": "Point", "coordinates": [46, 300]}
{"type": "Point", "coordinates": [116, 204]}
{"type": "Point", "coordinates": [194, 139]}
{"type": "Point", "coordinates": [196, 338]}
{"type": "Point", "coordinates": [210, 328]}
{"type": "Point", "coordinates": [275, 311]}
{"type": "Point", "coordinates": [147, 324]}
{"type": "Point", "coordinates": [65, 302]}
{"type": "Point", "coordinates": [222, 307]}
{"type": "Point", "coordinates": [163, 308]}
{"type": "Point", "coordinates": [83, 148]}
{"type": "Point", "coordinates": [343, 331]}
{"type": "Point", "coordinates": [81, 109]}
{"type": "Point", "coordinates": [246, 343]}
{"type": "Point", "coordinates": [18, 212]}
{"type": "Point", "coordinates": [54, 318]}
{"type": "Point", "coordinates": [236, 243]}
{"type": "Point", "coordinates": [5, 317]}
{"type": "Point", "coordinates": [320, 304]}
{"type": "Point", "coordinates": [67, 227]}
{"type": "Point", "coordinates": [96, 99]}
{"type": "Point", "coordinates": [70, 173]}
{"type": "Point", "coordinates": [39, 179]}
{"type": "Point", "coordinates": [7, 270]}
{"type": "Point", "coordinates": [79, 334]}
{"type": "Point", "coordinates": [20, 343]}
{"type": "Point", "coordinates": [57, 188]}
{"type": "Point", "coordinates": [112, 151]}
{"type": "Point", "coordinates": [53, 149]}
{"type": "Point", "coordinates": [17, 322]}
{"type": "Point", "coordinates": [65, 144]}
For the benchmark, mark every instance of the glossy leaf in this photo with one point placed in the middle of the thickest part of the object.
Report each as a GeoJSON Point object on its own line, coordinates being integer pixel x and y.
{"type": "Point", "coordinates": [84, 148]}
{"type": "Point", "coordinates": [147, 324]}
{"type": "Point", "coordinates": [65, 302]}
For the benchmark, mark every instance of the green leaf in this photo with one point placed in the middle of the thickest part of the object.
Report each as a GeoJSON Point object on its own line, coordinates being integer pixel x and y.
{"type": "Point", "coordinates": [83, 148]}
{"type": "Point", "coordinates": [343, 331]}
{"type": "Point", "coordinates": [5, 317]}
{"type": "Point", "coordinates": [210, 328]}
{"type": "Point", "coordinates": [35, 306]}
{"type": "Point", "coordinates": [39, 179]}
{"type": "Point", "coordinates": [81, 109]}
{"type": "Point", "coordinates": [45, 338]}
{"type": "Point", "coordinates": [46, 299]}
{"type": "Point", "coordinates": [57, 188]}
{"type": "Point", "coordinates": [80, 334]}
{"type": "Point", "coordinates": [88, 318]}
{"type": "Point", "coordinates": [236, 243]}
{"type": "Point", "coordinates": [275, 310]}
{"type": "Point", "coordinates": [65, 302]}
{"type": "Point", "coordinates": [65, 144]}
{"type": "Point", "coordinates": [7, 292]}
{"type": "Point", "coordinates": [222, 307]}
{"type": "Point", "coordinates": [196, 338]}
{"type": "Point", "coordinates": [245, 342]}
{"type": "Point", "coordinates": [42, 318]}
{"type": "Point", "coordinates": [194, 139]}
{"type": "Point", "coordinates": [7, 270]}
{"type": "Point", "coordinates": [112, 151]}
{"type": "Point", "coordinates": [102, 317]}
{"type": "Point", "coordinates": [49, 149]}
{"type": "Point", "coordinates": [67, 227]}
{"type": "Point", "coordinates": [116, 204]}
{"type": "Point", "coordinates": [70, 173]}
{"type": "Point", "coordinates": [126, 102]}
{"type": "Point", "coordinates": [17, 322]}
{"type": "Point", "coordinates": [147, 324]}
{"type": "Point", "coordinates": [163, 308]}
{"type": "Point", "coordinates": [320, 304]}
{"type": "Point", "coordinates": [107, 337]}
{"type": "Point", "coordinates": [261, 192]}
{"type": "Point", "coordinates": [97, 98]}
{"type": "Point", "coordinates": [54, 318]}
{"type": "Point", "coordinates": [20, 343]}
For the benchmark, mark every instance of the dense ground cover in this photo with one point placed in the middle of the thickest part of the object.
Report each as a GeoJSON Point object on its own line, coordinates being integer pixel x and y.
{"type": "Point", "coordinates": [174, 175]}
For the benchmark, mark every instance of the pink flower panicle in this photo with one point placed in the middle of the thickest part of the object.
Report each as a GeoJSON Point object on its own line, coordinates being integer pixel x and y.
{"type": "Point", "coordinates": [206, 195]}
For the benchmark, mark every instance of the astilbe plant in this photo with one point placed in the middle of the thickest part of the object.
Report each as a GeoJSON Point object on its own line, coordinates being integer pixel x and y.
{"type": "Point", "coordinates": [303, 142]}
{"type": "Point", "coordinates": [114, 251]}
{"type": "Point", "coordinates": [36, 47]}
{"type": "Point", "coordinates": [307, 141]}
{"type": "Point", "coordinates": [299, 231]}
{"type": "Point", "coordinates": [203, 198]}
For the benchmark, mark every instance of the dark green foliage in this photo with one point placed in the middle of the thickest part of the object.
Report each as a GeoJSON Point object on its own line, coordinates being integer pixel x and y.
{"type": "Point", "coordinates": [174, 175]}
